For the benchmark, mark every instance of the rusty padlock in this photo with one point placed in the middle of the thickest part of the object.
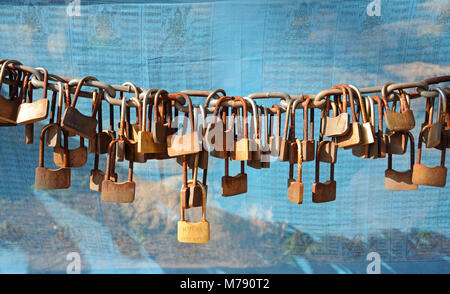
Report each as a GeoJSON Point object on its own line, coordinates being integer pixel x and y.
{"type": "Point", "coordinates": [429, 176]}
{"type": "Point", "coordinates": [75, 121]}
{"type": "Point", "coordinates": [337, 125]}
{"type": "Point", "coordinates": [323, 192]}
{"type": "Point", "coordinates": [112, 191]}
{"type": "Point", "coordinates": [8, 107]}
{"type": "Point", "coordinates": [403, 121]}
{"type": "Point", "coordinates": [234, 185]}
{"type": "Point", "coordinates": [396, 180]}
{"type": "Point", "coordinates": [295, 188]}
{"type": "Point", "coordinates": [32, 112]}
{"type": "Point", "coordinates": [285, 141]}
{"type": "Point", "coordinates": [51, 178]}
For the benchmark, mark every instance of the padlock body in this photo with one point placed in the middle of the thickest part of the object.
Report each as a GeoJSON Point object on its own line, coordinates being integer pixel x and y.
{"type": "Point", "coordinates": [52, 179]}
{"type": "Point", "coordinates": [429, 176]}
{"type": "Point", "coordinates": [117, 192]}
{"type": "Point", "coordinates": [189, 232]}
{"type": "Point", "coordinates": [399, 181]}
{"type": "Point", "coordinates": [324, 192]}
{"type": "Point", "coordinates": [295, 192]}
{"type": "Point", "coordinates": [234, 185]}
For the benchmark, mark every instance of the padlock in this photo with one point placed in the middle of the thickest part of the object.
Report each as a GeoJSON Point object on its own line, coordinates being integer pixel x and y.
{"type": "Point", "coordinates": [255, 144]}
{"type": "Point", "coordinates": [291, 137]}
{"type": "Point", "coordinates": [159, 127]}
{"type": "Point", "coordinates": [74, 121]}
{"type": "Point", "coordinates": [236, 185]}
{"type": "Point", "coordinates": [112, 191]}
{"type": "Point", "coordinates": [26, 96]}
{"type": "Point", "coordinates": [340, 124]}
{"type": "Point", "coordinates": [367, 135]}
{"type": "Point", "coordinates": [203, 154]}
{"type": "Point", "coordinates": [328, 152]}
{"type": "Point", "coordinates": [241, 150]}
{"type": "Point", "coordinates": [31, 112]}
{"type": "Point", "coordinates": [308, 144]}
{"type": "Point", "coordinates": [53, 138]}
{"type": "Point", "coordinates": [51, 178]}
{"type": "Point", "coordinates": [353, 137]}
{"type": "Point", "coordinates": [323, 192]}
{"type": "Point", "coordinates": [97, 176]}
{"type": "Point", "coordinates": [395, 180]}
{"type": "Point", "coordinates": [265, 148]}
{"type": "Point", "coordinates": [275, 140]}
{"type": "Point", "coordinates": [295, 188]}
{"type": "Point", "coordinates": [189, 232]}
{"type": "Point", "coordinates": [378, 148]}
{"type": "Point", "coordinates": [285, 141]}
{"type": "Point", "coordinates": [99, 144]}
{"type": "Point", "coordinates": [444, 117]}
{"type": "Point", "coordinates": [368, 150]}
{"type": "Point", "coordinates": [218, 137]}
{"type": "Point", "coordinates": [8, 107]}
{"type": "Point", "coordinates": [185, 189]}
{"type": "Point", "coordinates": [184, 144]}
{"type": "Point", "coordinates": [145, 139]}
{"type": "Point", "coordinates": [195, 192]}
{"type": "Point", "coordinates": [429, 176]}
{"type": "Point", "coordinates": [432, 135]}
{"type": "Point", "coordinates": [403, 121]}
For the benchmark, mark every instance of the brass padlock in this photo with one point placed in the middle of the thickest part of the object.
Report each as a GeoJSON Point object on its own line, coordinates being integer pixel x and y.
{"type": "Point", "coordinates": [337, 125]}
{"type": "Point", "coordinates": [75, 121]}
{"type": "Point", "coordinates": [51, 178]}
{"type": "Point", "coordinates": [189, 232]}
{"type": "Point", "coordinates": [395, 180]}
{"type": "Point", "coordinates": [429, 176]}
{"type": "Point", "coordinates": [403, 121]}
{"type": "Point", "coordinates": [367, 134]}
{"type": "Point", "coordinates": [353, 137]}
{"type": "Point", "coordinates": [323, 192]}
{"type": "Point", "coordinates": [241, 150]}
{"type": "Point", "coordinates": [328, 152]}
{"type": "Point", "coordinates": [295, 188]}
{"type": "Point", "coordinates": [145, 140]}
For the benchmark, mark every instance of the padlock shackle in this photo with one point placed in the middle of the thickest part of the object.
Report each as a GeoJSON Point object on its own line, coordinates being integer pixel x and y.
{"type": "Point", "coordinates": [41, 146]}
{"type": "Point", "coordinates": [411, 158]}
{"type": "Point", "coordinates": [286, 121]}
{"type": "Point", "coordinates": [419, 147]}
{"type": "Point", "coordinates": [320, 144]}
{"type": "Point", "coordinates": [78, 89]}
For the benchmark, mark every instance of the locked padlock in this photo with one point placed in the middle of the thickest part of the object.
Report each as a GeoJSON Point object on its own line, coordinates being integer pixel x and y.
{"type": "Point", "coordinates": [396, 180]}
{"type": "Point", "coordinates": [51, 178]}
